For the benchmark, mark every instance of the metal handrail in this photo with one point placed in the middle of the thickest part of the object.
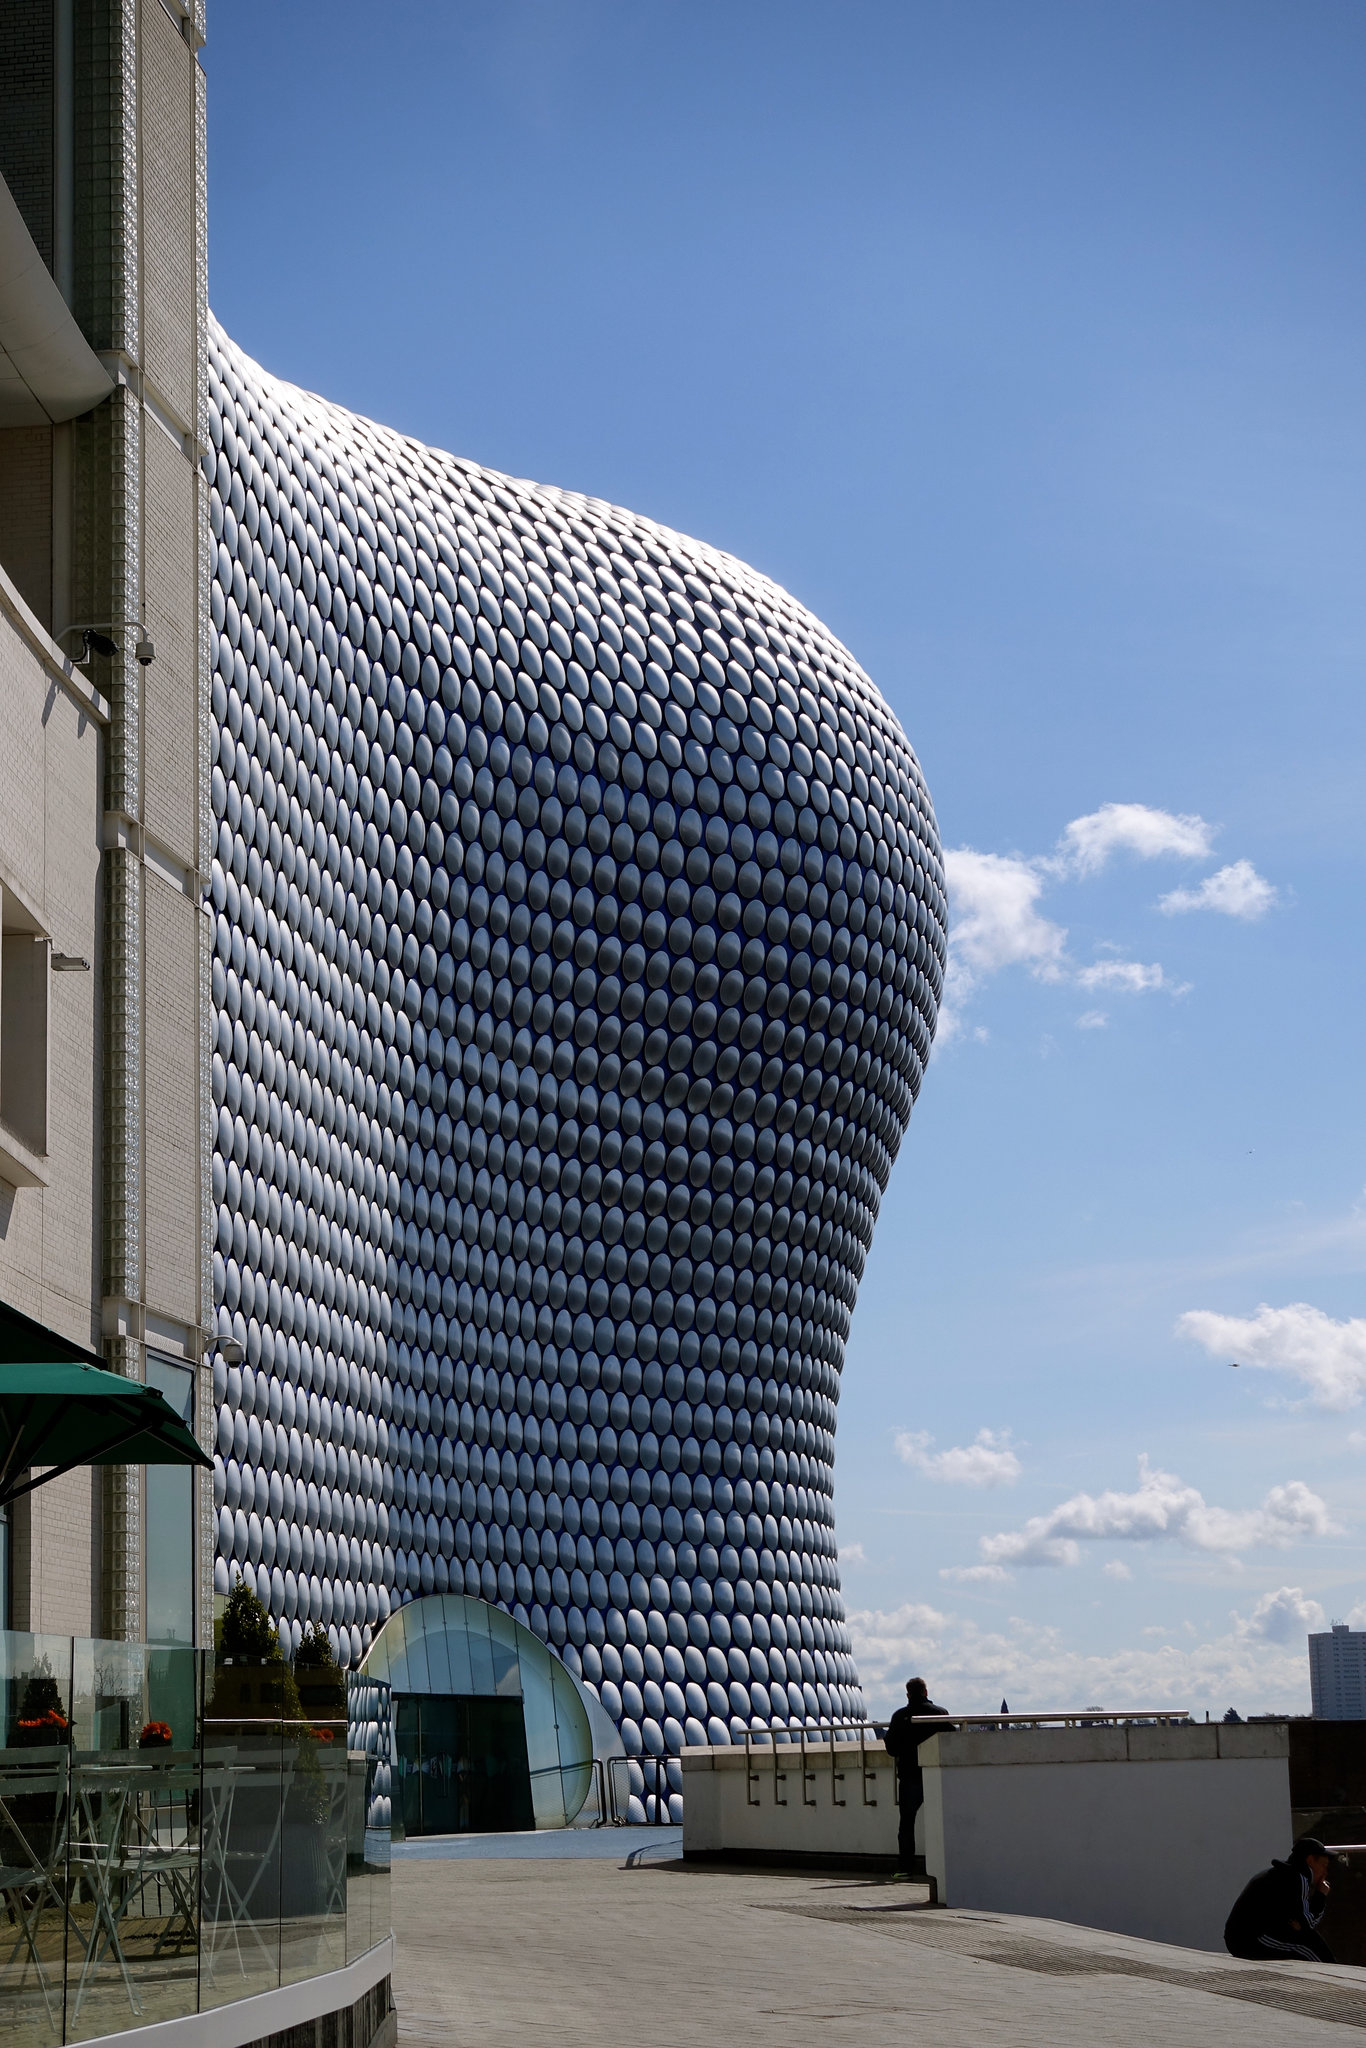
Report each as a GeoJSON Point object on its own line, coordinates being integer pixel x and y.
{"type": "Point", "coordinates": [820, 1743]}
{"type": "Point", "coordinates": [659, 1766]}
{"type": "Point", "coordinates": [852, 1731]}
{"type": "Point", "coordinates": [1086, 1717]}
{"type": "Point", "coordinates": [824, 1739]}
{"type": "Point", "coordinates": [604, 1776]}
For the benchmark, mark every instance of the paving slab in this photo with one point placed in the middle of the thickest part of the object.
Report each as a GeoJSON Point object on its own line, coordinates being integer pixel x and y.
{"type": "Point", "coordinates": [662, 1954]}
{"type": "Point", "coordinates": [612, 1845]}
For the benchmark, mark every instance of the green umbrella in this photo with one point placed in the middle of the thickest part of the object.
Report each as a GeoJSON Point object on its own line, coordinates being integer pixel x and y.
{"type": "Point", "coordinates": [59, 1407]}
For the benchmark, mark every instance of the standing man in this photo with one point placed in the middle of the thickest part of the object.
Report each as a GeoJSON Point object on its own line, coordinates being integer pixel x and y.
{"type": "Point", "coordinates": [902, 1742]}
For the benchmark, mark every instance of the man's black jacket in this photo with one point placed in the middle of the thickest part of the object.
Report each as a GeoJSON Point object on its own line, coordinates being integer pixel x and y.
{"type": "Point", "coordinates": [903, 1739]}
{"type": "Point", "coordinates": [1277, 1914]}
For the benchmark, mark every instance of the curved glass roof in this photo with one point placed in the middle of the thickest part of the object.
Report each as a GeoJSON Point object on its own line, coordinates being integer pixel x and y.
{"type": "Point", "coordinates": [450, 1644]}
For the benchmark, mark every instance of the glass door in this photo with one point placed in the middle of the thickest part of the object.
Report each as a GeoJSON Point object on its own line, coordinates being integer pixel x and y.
{"type": "Point", "coordinates": [462, 1764]}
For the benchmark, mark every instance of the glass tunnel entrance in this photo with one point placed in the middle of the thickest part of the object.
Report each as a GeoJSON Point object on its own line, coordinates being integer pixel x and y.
{"type": "Point", "coordinates": [462, 1765]}
{"type": "Point", "coordinates": [492, 1733]}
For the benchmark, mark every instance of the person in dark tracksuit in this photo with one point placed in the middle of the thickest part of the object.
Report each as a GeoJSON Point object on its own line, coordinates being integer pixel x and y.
{"type": "Point", "coordinates": [1277, 1913]}
{"type": "Point", "coordinates": [902, 1743]}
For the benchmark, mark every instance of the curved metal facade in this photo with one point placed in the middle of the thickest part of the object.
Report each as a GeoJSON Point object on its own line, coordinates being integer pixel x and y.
{"type": "Point", "coordinates": [580, 931]}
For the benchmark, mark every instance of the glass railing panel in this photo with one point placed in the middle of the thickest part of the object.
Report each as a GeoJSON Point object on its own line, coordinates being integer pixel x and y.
{"type": "Point", "coordinates": [35, 1730]}
{"type": "Point", "coordinates": [369, 1741]}
{"type": "Point", "coordinates": [245, 1785]}
{"type": "Point", "coordinates": [33, 1795]}
{"type": "Point", "coordinates": [174, 1837]}
{"type": "Point", "coordinates": [133, 1839]}
{"type": "Point", "coordinates": [313, 1850]}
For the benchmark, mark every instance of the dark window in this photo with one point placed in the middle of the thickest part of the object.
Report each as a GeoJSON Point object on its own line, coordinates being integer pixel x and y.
{"type": "Point", "coordinates": [462, 1765]}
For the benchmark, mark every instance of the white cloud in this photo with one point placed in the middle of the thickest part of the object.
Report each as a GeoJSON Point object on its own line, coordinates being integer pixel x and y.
{"type": "Point", "coordinates": [853, 1553]}
{"type": "Point", "coordinates": [1236, 891]}
{"type": "Point", "coordinates": [971, 1668]}
{"type": "Point", "coordinates": [989, 1460]}
{"type": "Point", "coordinates": [996, 922]}
{"type": "Point", "coordinates": [1161, 1509]}
{"type": "Point", "coordinates": [1130, 976]}
{"type": "Point", "coordinates": [1088, 842]}
{"type": "Point", "coordinates": [1116, 1569]}
{"type": "Point", "coordinates": [1284, 1616]}
{"type": "Point", "coordinates": [1328, 1357]}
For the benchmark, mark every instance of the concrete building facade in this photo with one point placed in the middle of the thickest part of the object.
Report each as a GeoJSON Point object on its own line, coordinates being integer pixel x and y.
{"type": "Point", "coordinates": [1337, 1673]}
{"type": "Point", "coordinates": [104, 827]}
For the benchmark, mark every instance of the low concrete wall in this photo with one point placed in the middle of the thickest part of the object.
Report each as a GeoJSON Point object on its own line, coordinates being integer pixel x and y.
{"type": "Point", "coordinates": [791, 1807]}
{"type": "Point", "coordinates": [335, 2010]}
{"type": "Point", "coordinates": [1148, 1831]}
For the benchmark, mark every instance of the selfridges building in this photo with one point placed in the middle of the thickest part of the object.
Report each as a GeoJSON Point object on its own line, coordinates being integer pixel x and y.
{"type": "Point", "coordinates": [580, 930]}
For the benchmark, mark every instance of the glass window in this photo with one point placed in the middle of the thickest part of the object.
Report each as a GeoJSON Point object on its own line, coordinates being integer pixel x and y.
{"type": "Point", "coordinates": [170, 1519]}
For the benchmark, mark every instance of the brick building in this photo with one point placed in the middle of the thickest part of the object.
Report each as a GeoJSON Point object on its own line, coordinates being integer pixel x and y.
{"type": "Point", "coordinates": [104, 815]}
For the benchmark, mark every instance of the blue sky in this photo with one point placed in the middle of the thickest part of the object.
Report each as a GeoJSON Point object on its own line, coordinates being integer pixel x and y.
{"type": "Point", "coordinates": [1025, 346]}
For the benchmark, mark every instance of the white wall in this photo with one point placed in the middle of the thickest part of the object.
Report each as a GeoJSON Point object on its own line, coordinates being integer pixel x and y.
{"type": "Point", "coordinates": [718, 1816]}
{"type": "Point", "coordinates": [1144, 1831]}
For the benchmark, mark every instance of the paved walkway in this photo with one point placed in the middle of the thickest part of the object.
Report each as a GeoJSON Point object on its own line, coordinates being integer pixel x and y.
{"type": "Point", "coordinates": [590, 1953]}
{"type": "Point", "coordinates": [610, 1845]}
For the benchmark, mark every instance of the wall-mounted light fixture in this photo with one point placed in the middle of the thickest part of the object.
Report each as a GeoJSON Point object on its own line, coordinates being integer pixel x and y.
{"type": "Point", "coordinates": [69, 963]}
{"type": "Point", "coordinates": [95, 640]}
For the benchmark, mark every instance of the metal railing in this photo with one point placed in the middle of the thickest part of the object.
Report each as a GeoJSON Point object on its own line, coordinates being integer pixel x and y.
{"type": "Point", "coordinates": [655, 1790]}
{"type": "Point", "coordinates": [1084, 1717]}
{"type": "Point", "coordinates": [818, 1747]}
{"type": "Point", "coordinates": [607, 1798]}
{"type": "Point", "coordinates": [825, 1746]}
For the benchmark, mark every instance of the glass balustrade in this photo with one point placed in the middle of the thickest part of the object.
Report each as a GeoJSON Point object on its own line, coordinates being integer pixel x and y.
{"type": "Point", "coordinates": [176, 1834]}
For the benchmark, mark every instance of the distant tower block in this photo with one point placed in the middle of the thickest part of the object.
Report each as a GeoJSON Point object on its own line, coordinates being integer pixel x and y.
{"type": "Point", "coordinates": [1337, 1673]}
{"type": "Point", "coordinates": [580, 938]}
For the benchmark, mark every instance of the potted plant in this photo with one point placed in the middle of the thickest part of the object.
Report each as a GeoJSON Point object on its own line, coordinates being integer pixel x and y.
{"type": "Point", "coordinates": [41, 1723]}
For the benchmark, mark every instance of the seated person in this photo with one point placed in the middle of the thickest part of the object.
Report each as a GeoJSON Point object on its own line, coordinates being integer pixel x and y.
{"type": "Point", "coordinates": [1277, 1913]}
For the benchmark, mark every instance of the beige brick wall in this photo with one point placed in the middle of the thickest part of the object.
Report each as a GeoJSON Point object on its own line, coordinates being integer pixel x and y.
{"type": "Point", "coordinates": [55, 1591]}
{"type": "Point", "coordinates": [171, 1120]}
{"type": "Point", "coordinates": [170, 708]}
{"type": "Point", "coordinates": [124, 1236]}
{"type": "Point", "coordinates": [168, 197]}
{"type": "Point", "coordinates": [50, 775]}
{"type": "Point", "coordinates": [49, 856]}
